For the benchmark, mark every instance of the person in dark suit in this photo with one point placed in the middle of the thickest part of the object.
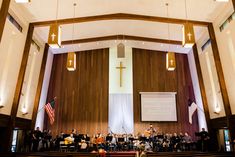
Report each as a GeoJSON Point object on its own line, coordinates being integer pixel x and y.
{"type": "Point", "coordinates": [37, 134]}
{"type": "Point", "coordinates": [175, 140]}
{"type": "Point", "coordinates": [204, 139]}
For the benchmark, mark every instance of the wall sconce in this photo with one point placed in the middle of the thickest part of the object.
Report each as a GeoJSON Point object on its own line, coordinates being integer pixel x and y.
{"type": "Point", "coordinates": [1, 103]}
{"type": "Point", "coordinates": [217, 109]}
{"type": "Point", "coordinates": [24, 110]}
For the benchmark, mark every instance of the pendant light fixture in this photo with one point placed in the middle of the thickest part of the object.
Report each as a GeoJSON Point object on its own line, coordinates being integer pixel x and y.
{"type": "Point", "coordinates": [71, 57]}
{"type": "Point", "coordinates": [121, 49]}
{"type": "Point", "coordinates": [170, 56]}
{"type": "Point", "coordinates": [54, 39]}
{"type": "Point", "coordinates": [188, 32]}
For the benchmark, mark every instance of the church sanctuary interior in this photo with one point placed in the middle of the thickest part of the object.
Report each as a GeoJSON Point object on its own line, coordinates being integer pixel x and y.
{"type": "Point", "coordinates": [118, 78]}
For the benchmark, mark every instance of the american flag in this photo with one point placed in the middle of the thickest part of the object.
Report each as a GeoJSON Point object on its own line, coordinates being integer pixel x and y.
{"type": "Point", "coordinates": [49, 107]}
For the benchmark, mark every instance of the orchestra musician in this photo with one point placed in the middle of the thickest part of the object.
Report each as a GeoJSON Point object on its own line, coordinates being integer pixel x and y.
{"type": "Point", "coordinates": [69, 139]}
{"type": "Point", "coordinates": [150, 131]}
{"type": "Point", "coordinates": [161, 141]}
{"type": "Point", "coordinates": [186, 140]}
{"type": "Point", "coordinates": [100, 141]}
{"type": "Point", "coordinates": [120, 142]}
{"type": "Point", "coordinates": [175, 140]}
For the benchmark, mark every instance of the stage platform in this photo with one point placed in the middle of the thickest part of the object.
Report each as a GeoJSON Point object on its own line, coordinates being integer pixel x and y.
{"type": "Point", "coordinates": [118, 154]}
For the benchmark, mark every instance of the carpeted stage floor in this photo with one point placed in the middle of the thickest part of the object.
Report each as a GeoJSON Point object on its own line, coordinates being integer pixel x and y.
{"type": "Point", "coordinates": [119, 154]}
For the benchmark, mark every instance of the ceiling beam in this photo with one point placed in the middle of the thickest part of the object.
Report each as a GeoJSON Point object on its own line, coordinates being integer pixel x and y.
{"type": "Point", "coordinates": [119, 16]}
{"type": "Point", "coordinates": [3, 15]}
{"type": "Point", "coordinates": [233, 1]}
{"type": "Point", "coordinates": [121, 37]}
{"type": "Point", "coordinates": [39, 86]}
{"type": "Point", "coordinates": [220, 73]}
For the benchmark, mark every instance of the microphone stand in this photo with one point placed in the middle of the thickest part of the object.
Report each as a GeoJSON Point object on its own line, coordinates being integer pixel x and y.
{"type": "Point", "coordinates": [110, 131]}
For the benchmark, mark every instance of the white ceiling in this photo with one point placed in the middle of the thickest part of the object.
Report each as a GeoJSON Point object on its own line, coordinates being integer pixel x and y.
{"type": "Point", "coordinates": [203, 10]}
{"type": "Point", "coordinates": [43, 10]}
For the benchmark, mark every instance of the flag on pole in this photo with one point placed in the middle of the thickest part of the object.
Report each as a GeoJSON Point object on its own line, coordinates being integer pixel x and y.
{"type": "Point", "coordinates": [191, 109]}
{"type": "Point", "coordinates": [49, 107]}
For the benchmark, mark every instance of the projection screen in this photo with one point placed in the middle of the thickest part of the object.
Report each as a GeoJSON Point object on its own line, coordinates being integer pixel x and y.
{"type": "Point", "coordinates": [158, 106]}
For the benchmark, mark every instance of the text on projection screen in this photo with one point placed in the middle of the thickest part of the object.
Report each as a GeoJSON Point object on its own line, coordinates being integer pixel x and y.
{"type": "Point", "coordinates": [158, 106]}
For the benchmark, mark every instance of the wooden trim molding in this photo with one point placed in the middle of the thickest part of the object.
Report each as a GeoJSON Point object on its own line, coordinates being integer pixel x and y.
{"type": "Point", "coordinates": [119, 16]}
{"type": "Point", "coordinates": [121, 37]}
{"type": "Point", "coordinates": [219, 70]}
{"type": "Point", "coordinates": [39, 87]}
{"type": "Point", "coordinates": [3, 15]}
{"type": "Point", "coordinates": [201, 85]}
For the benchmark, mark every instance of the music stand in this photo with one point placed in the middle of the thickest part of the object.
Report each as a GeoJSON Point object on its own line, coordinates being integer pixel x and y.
{"type": "Point", "coordinates": [131, 139]}
{"type": "Point", "coordinates": [65, 135]}
{"type": "Point", "coordinates": [121, 139]}
{"type": "Point", "coordinates": [109, 138]}
{"type": "Point", "coordinates": [160, 136]}
{"type": "Point", "coordinates": [197, 134]}
{"type": "Point", "coordinates": [142, 138]}
{"type": "Point", "coordinates": [88, 138]}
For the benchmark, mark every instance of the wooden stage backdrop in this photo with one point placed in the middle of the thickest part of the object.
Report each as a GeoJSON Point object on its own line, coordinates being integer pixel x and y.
{"type": "Point", "coordinates": [82, 95]}
{"type": "Point", "coordinates": [150, 75]}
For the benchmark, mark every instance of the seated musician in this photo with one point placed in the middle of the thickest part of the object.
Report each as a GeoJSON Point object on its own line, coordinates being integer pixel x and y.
{"type": "Point", "coordinates": [100, 141]}
{"type": "Point", "coordinates": [83, 145]}
{"type": "Point", "coordinates": [110, 142]}
{"type": "Point", "coordinates": [74, 132]}
{"type": "Point", "coordinates": [166, 142]}
{"type": "Point", "coordinates": [136, 142]}
{"type": "Point", "coordinates": [159, 140]}
{"type": "Point", "coordinates": [120, 142]}
{"type": "Point", "coordinates": [83, 142]}
{"type": "Point", "coordinates": [69, 139]}
{"type": "Point", "coordinates": [130, 141]}
{"type": "Point", "coordinates": [92, 144]}
{"type": "Point", "coordinates": [186, 140]}
{"type": "Point", "coordinates": [175, 140]}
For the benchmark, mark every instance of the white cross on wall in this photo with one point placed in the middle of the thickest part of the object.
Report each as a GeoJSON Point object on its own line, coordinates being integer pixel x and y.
{"type": "Point", "coordinates": [70, 62]}
{"type": "Point", "coordinates": [189, 36]}
{"type": "Point", "coordinates": [53, 36]}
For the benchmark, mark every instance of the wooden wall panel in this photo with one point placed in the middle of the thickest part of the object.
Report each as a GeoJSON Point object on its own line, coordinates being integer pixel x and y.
{"type": "Point", "coordinates": [150, 75]}
{"type": "Point", "coordinates": [82, 95]}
